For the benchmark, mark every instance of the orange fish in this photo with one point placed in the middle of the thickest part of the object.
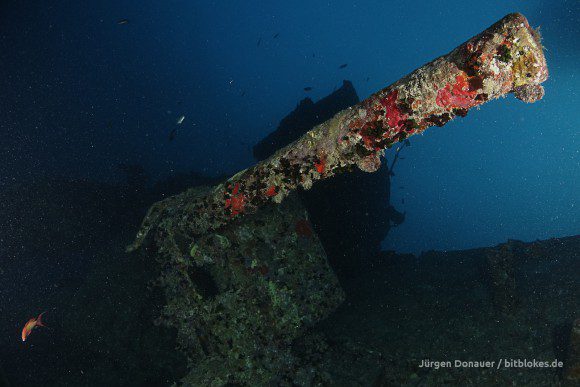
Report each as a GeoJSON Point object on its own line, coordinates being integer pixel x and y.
{"type": "Point", "coordinates": [31, 324]}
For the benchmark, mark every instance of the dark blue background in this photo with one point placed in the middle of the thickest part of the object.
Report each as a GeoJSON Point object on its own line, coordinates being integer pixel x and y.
{"type": "Point", "coordinates": [81, 94]}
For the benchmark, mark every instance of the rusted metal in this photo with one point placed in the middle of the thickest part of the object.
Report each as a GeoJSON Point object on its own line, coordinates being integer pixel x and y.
{"type": "Point", "coordinates": [507, 57]}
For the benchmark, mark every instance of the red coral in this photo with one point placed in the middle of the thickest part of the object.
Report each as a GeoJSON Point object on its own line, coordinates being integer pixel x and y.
{"type": "Point", "coordinates": [236, 202]}
{"type": "Point", "coordinates": [271, 191]}
{"type": "Point", "coordinates": [320, 165]}
{"type": "Point", "coordinates": [380, 119]}
{"type": "Point", "coordinates": [368, 140]}
{"type": "Point", "coordinates": [302, 228]}
{"type": "Point", "coordinates": [458, 95]}
{"type": "Point", "coordinates": [393, 115]}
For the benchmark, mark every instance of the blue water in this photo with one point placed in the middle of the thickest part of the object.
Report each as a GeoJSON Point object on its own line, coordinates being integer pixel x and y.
{"type": "Point", "coordinates": [82, 94]}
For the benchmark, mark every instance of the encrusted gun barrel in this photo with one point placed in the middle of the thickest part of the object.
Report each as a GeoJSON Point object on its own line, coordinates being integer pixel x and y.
{"type": "Point", "coordinates": [505, 58]}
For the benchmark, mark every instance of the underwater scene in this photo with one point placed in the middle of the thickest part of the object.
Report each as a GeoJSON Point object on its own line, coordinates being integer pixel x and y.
{"type": "Point", "coordinates": [307, 193]}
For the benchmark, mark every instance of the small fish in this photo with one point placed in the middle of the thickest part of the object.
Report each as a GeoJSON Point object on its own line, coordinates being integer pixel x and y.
{"type": "Point", "coordinates": [123, 21]}
{"type": "Point", "coordinates": [308, 88]}
{"type": "Point", "coordinates": [30, 325]}
{"type": "Point", "coordinates": [180, 120]}
{"type": "Point", "coordinates": [342, 66]}
{"type": "Point", "coordinates": [313, 55]}
{"type": "Point", "coordinates": [276, 35]}
{"type": "Point", "coordinates": [243, 93]}
{"type": "Point", "coordinates": [259, 41]}
{"type": "Point", "coordinates": [407, 143]}
{"type": "Point", "coordinates": [368, 78]}
{"type": "Point", "coordinates": [172, 134]}
{"type": "Point", "coordinates": [403, 201]}
{"type": "Point", "coordinates": [402, 187]}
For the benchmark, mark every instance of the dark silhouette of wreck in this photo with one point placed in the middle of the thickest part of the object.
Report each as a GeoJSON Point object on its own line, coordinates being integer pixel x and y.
{"type": "Point", "coordinates": [351, 212]}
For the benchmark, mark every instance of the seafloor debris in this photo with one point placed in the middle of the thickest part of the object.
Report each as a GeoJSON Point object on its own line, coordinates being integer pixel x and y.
{"type": "Point", "coordinates": [507, 57]}
{"type": "Point", "coordinates": [573, 362]}
{"type": "Point", "coordinates": [240, 296]}
{"type": "Point", "coordinates": [3, 378]}
{"type": "Point", "coordinates": [501, 266]}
